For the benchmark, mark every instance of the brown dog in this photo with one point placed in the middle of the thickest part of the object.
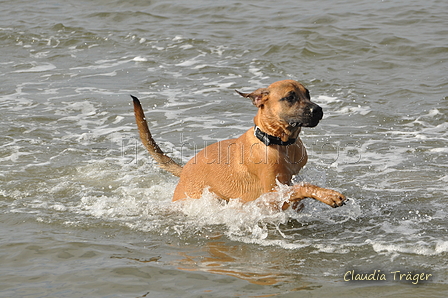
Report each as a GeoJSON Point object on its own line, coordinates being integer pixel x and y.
{"type": "Point", "coordinates": [253, 164]}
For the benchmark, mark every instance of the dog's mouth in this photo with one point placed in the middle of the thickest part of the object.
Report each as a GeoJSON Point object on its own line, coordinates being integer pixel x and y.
{"type": "Point", "coordinates": [295, 124]}
{"type": "Point", "coordinates": [305, 117]}
{"type": "Point", "coordinates": [310, 118]}
{"type": "Point", "coordinates": [311, 123]}
{"type": "Point", "coordinates": [307, 123]}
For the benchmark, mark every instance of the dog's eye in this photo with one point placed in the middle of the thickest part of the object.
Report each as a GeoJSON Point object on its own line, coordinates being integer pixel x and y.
{"type": "Point", "coordinates": [291, 97]}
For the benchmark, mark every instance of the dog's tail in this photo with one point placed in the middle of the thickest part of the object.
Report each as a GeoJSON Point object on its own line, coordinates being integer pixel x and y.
{"type": "Point", "coordinates": [164, 161]}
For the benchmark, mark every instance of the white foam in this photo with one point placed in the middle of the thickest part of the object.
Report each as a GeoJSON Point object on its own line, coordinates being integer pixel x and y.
{"type": "Point", "coordinates": [438, 130]}
{"type": "Point", "coordinates": [190, 62]}
{"type": "Point", "coordinates": [38, 67]}
{"type": "Point", "coordinates": [405, 227]}
{"type": "Point", "coordinates": [102, 64]}
{"type": "Point", "coordinates": [331, 248]}
{"type": "Point", "coordinates": [40, 55]}
{"type": "Point", "coordinates": [362, 110]}
{"type": "Point", "coordinates": [219, 86]}
{"type": "Point", "coordinates": [257, 222]}
{"type": "Point", "coordinates": [140, 59]}
{"type": "Point", "coordinates": [186, 47]}
{"type": "Point", "coordinates": [444, 178]}
{"type": "Point", "coordinates": [439, 150]}
{"type": "Point", "coordinates": [14, 155]}
{"type": "Point", "coordinates": [118, 119]}
{"type": "Point", "coordinates": [419, 247]}
{"type": "Point", "coordinates": [128, 204]}
{"type": "Point", "coordinates": [431, 113]}
{"type": "Point", "coordinates": [255, 71]}
{"type": "Point", "coordinates": [241, 220]}
{"type": "Point", "coordinates": [326, 99]}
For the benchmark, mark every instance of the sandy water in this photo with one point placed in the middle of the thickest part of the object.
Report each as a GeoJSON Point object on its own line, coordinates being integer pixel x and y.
{"type": "Point", "coordinates": [84, 211]}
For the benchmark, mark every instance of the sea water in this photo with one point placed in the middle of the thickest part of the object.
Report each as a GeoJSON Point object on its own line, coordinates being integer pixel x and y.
{"type": "Point", "coordinates": [85, 212]}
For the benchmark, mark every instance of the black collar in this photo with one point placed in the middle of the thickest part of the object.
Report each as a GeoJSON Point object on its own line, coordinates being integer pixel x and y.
{"type": "Point", "coordinates": [271, 140]}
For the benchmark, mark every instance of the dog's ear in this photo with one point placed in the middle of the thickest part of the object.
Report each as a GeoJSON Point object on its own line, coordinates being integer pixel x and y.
{"type": "Point", "coordinates": [258, 97]}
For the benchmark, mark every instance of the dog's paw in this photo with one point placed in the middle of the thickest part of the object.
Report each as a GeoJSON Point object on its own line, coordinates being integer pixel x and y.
{"type": "Point", "coordinates": [333, 198]}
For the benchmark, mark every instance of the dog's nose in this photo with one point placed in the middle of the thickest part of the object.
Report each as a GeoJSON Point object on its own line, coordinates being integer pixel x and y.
{"type": "Point", "coordinates": [316, 111]}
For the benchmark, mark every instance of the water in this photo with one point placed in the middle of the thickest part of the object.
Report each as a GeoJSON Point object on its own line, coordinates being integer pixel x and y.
{"type": "Point", "coordinates": [86, 213]}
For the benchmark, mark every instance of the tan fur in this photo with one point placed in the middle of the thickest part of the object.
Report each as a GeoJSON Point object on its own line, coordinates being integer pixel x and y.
{"type": "Point", "coordinates": [164, 161]}
{"type": "Point", "coordinates": [245, 168]}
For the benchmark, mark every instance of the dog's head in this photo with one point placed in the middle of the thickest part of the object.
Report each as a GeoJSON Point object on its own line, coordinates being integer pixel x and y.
{"type": "Point", "coordinates": [289, 102]}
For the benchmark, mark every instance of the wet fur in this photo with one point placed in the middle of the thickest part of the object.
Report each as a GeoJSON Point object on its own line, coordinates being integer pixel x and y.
{"type": "Point", "coordinates": [244, 168]}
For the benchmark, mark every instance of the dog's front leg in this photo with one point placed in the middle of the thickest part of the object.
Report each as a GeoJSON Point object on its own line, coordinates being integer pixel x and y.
{"type": "Point", "coordinates": [306, 190]}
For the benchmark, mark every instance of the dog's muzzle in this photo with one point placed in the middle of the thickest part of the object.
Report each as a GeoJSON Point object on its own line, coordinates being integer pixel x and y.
{"type": "Point", "coordinates": [309, 118]}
